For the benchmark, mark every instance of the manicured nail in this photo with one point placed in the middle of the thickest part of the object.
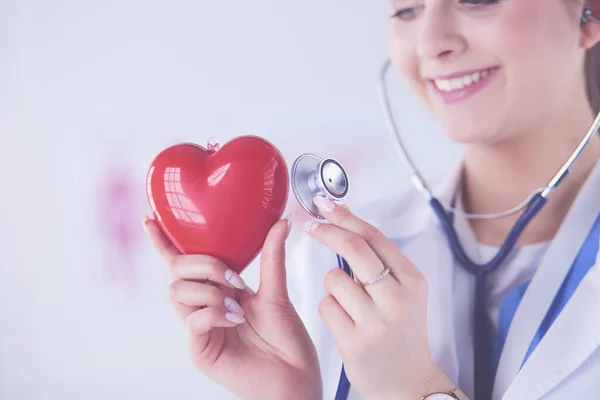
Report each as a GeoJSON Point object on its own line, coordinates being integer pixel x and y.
{"type": "Point", "coordinates": [145, 220]}
{"type": "Point", "coordinates": [236, 319]}
{"type": "Point", "coordinates": [310, 226]}
{"type": "Point", "coordinates": [234, 306]}
{"type": "Point", "coordinates": [324, 203]}
{"type": "Point", "coordinates": [232, 277]}
{"type": "Point", "coordinates": [289, 225]}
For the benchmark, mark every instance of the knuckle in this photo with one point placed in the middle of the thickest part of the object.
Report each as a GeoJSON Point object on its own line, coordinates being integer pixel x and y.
{"type": "Point", "coordinates": [195, 322]}
{"type": "Point", "coordinates": [397, 312]}
{"type": "Point", "coordinates": [417, 282]}
{"type": "Point", "coordinates": [174, 262]}
{"type": "Point", "coordinates": [270, 253]}
{"type": "Point", "coordinates": [332, 277]}
{"type": "Point", "coordinates": [214, 316]}
{"type": "Point", "coordinates": [200, 319]}
{"type": "Point", "coordinates": [371, 234]}
{"type": "Point", "coordinates": [354, 244]}
{"type": "Point", "coordinates": [212, 293]}
{"type": "Point", "coordinates": [215, 268]}
{"type": "Point", "coordinates": [421, 285]}
{"type": "Point", "coordinates": [214, 264]}
{"type": "Point", "coordinates": [325, 304]}
{"type": "Point", "coordinates": [343, 214]}
{"type": "Point", "coordinates": [377, 328]}
{"type": "Point", "coordinates": [397, 298]}
{"type": "Point", "coordinates": [174, 288]}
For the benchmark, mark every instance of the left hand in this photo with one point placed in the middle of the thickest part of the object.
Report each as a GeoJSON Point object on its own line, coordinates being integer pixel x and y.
{"type": "Point", "coordinates": [380, 329]}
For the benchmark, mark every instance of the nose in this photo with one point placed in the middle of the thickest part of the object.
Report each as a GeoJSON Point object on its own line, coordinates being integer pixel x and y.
{"type": "Point", "coordinates": [440, 36]}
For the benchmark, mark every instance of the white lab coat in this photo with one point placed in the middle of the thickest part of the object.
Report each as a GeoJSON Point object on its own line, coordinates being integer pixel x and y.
{"type": "Point", "coordinates": [566, 363]}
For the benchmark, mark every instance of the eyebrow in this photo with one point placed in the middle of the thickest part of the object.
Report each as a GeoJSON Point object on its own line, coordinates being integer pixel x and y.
{"type": "Point", "coordinates": [396, 3]}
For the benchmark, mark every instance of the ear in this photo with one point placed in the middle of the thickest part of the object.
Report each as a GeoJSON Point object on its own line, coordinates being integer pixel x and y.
{"type": "Point", "coordinates": [590, 29]}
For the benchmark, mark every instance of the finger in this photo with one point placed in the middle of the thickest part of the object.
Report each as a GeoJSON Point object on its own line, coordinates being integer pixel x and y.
{"type": "Point", "coordinates": [201, 322]}
{"type": "Point", "coordinates": [200, 267]}
{"type": "Point", "coordinates": [337, 320]}
{"type": "Point", "coordinates": [273, 281]}
{"type": "Point", "coordinates": [353, 248]}
{"type": "Point", "coordinates": [162, 244]}
{"type": "Point", "coordinates": [194, 266]}
{"type": "Point", "coordinates": [349, 295]}
{"type": "Point", "coordinates": [195, 294]}
{"type": "Point", "coordinates": [389, 254]}
{"type": "Point", "coordinates": [182, 310]}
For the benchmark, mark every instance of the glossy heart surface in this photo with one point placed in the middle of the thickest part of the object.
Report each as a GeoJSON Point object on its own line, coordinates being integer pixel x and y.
{"type": "Point", "coordinates": [219, 202]}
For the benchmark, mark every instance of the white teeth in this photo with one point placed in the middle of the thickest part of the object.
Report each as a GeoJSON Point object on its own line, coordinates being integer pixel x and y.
{"type": "Point", "coordinates": [457, 83]}
{"type": "Point", "coordinates": [448, 85]}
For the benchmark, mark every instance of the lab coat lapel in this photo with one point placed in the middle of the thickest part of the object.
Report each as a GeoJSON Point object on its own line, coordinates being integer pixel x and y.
{"type": "Point", "coordinates": [573, 337]}
{"type": "Point", "coordinates": [575, 334]}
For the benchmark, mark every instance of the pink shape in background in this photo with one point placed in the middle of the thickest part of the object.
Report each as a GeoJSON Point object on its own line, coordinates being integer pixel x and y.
{"type": "Point", "coordinates": [119, 226]}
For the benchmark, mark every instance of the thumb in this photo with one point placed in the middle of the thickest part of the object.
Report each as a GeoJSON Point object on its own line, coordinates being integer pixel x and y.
{"type": "Point", "coordinates": [273, 283]}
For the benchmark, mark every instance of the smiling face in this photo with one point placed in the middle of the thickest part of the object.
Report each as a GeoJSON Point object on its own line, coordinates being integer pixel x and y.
{"type": "Point", "coordinates": [489, 69]}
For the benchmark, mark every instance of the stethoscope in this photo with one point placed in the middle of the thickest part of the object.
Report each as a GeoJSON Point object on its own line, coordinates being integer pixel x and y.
{"type": "Point", "coordinates": [312, 175]}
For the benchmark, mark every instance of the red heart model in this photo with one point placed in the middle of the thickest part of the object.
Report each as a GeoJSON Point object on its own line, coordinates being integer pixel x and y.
{"type": "Point", "coordinates": [219, 202]}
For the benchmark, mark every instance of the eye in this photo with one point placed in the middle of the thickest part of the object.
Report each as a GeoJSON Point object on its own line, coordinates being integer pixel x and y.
{"type": "Point", "coordinates": [479, 2]}
{"type": "Point", "coordinates": [406, 14]}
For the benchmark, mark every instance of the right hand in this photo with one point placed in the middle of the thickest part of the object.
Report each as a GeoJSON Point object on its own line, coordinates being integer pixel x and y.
{"type": "Point", "coordinates": [253, 345]}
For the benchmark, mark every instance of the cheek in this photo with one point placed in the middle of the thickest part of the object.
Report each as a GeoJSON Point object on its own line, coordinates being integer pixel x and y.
{"type": "Point", "coordinates": [533, 51]}
{"type": "Point", "coordinates": [538, 33]}
{"type": "Point", "coordinates": [519, 36]}
{"type": "Point", "coordinates": [403, 55]}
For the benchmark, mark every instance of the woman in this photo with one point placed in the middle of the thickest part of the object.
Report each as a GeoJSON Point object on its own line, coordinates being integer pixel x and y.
{"type": "Point", "coordinates": [512, 80]}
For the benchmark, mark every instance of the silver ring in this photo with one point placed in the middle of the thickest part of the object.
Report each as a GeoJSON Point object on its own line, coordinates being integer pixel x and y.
{"type": "Point", "coordinates": [379, 277]}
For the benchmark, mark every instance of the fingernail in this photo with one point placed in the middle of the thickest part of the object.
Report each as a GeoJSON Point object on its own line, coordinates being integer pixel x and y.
{"type": "Point", "coordinates": [232, 277]}
{"type": "Point", "coordinates": [145, 220]}
{"type": "Point", "coordinates": [234, 306]}
{"type": "Point", "coordinates": [324, 203]}
{"type": "Point", "coordinates": [236, 319]}
{"type": "Point", "coordinates": [289, 225]}
{"type": "Point", "coordinates": [310, 226]}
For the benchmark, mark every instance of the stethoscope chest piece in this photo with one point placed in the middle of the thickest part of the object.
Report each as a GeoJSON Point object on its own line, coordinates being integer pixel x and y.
{"type": "Point", "coordinates": [312, 175]}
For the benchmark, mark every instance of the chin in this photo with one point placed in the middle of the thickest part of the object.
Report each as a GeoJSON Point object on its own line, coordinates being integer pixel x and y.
{"type": "Point", "coordinates": [474, 133]}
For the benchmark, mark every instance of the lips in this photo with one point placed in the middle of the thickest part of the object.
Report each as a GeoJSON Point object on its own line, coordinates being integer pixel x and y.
{"type": "Point", "coordinates": [459, 86]}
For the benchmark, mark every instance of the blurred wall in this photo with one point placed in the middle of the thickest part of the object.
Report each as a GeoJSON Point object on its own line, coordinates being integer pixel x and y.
{"type": "Point", "coordinates": [90, 92]}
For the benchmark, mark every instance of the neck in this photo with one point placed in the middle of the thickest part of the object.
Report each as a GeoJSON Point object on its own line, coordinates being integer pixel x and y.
{"type": "Point", "coordinates": [498, 177]}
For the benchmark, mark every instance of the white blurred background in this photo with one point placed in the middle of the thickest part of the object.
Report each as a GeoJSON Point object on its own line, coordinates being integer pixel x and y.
{"type": "Point", "coordinates": [90, 92]}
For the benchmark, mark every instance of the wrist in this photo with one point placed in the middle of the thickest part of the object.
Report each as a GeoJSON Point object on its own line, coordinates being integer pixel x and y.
{"type": "Point", "coordinates": [437, 382]}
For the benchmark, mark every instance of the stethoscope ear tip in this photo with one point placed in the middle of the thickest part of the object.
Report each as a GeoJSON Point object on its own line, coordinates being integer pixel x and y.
{"type": "Point", "coordinates": [588, 16]}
